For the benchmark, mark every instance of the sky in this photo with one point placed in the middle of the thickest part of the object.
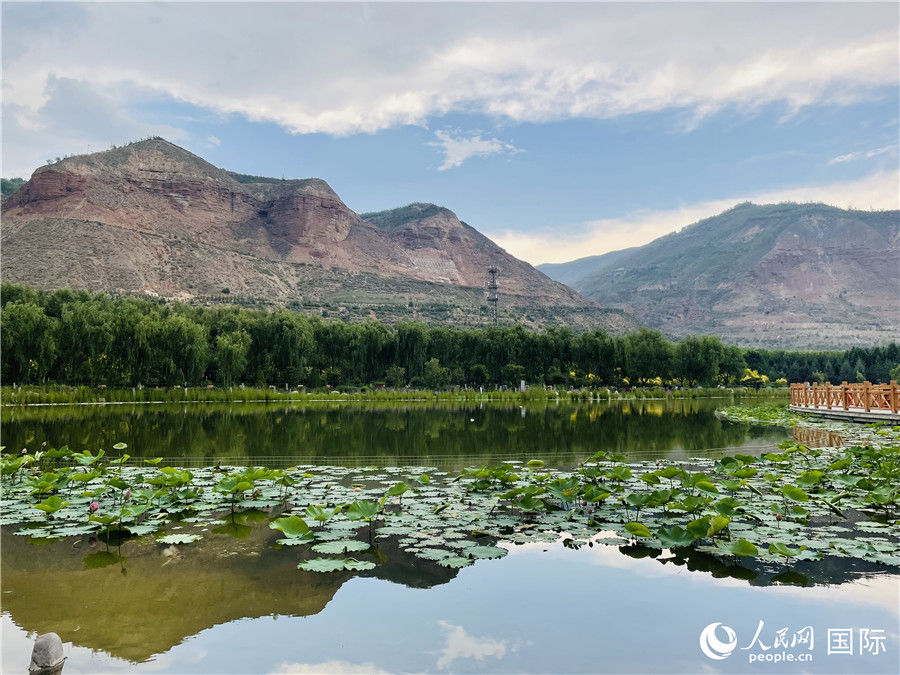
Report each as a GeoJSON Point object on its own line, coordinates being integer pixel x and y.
{"type": "Point", "coordinates": [559, 130]}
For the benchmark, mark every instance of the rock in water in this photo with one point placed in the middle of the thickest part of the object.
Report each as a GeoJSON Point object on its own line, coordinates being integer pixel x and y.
{"type": "Point", "coordinates": [47, 656]}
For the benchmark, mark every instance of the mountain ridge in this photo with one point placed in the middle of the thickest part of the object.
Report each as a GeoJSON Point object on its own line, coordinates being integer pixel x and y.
{"type": "Point", "coordinates": [153, 218]}
{"type": "Point", "coordinates": [776, 275]}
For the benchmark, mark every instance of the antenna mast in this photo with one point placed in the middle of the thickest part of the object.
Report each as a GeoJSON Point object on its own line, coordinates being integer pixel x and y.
{"type": "Point", "coordinates": [492, 296]}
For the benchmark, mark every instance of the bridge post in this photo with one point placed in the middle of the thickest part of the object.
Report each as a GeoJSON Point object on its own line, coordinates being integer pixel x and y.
{"type": "Point", "coordinates": [893, 395]}
{"type": "Point", "coordinates": [845, 395]}
{"type": "Point", "coordinates": [828, 395]}
{"type": "Point", "coordinates": [867, 395]}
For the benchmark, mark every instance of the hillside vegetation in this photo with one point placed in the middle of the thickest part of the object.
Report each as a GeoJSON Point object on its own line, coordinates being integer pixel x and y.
{"type": "Point", "coordinates": [10, 185]}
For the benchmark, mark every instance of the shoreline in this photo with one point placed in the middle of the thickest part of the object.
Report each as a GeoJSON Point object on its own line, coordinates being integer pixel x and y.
{"type": "Point", "coordinates": [97, 397]}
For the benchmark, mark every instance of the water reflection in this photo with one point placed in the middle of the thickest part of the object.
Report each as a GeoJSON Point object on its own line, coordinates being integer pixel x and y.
{"type": "Point", "coordinates": [816, 438]}
{"type": "Point", "coordinates": [449, 435]}
{"type": "Point", "coordinates": [143, 599]}
{"type": "Point", "coordinates": [77, 589]}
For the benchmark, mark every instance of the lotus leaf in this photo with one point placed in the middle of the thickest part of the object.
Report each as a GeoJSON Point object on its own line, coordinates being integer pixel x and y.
{"type": "Point", "coordinates": [340, 546]}
{"type": "Point", "coordinates": [741, 547]}
{"type": "Point", "coordinates": [717, 524]}
{"type": "Point", "coordinates": [638, 529]}
{"type": "Point", "coordinates": [706, 486]}
{"type": "Point", "coordinates": [778, 548]}
{"type": "Point", "coordinates": [478, 552]}
{"type": "Point", "coordinates": [674, 536]}
{"type": "Point", "coordinates": [362, 510]}
{"type": "Point", "coordinates": [334, 565]}
{"type": "Point", "coordinates": [51, 504]}
{"type": "Point", "coordinates": [434, 553]}
{"type": "Point", "coordinates": [293, 527]}
{"type": "Point", "coordinates": [454, 561]}
{"type": "Point", "coordinates": [794, 493]}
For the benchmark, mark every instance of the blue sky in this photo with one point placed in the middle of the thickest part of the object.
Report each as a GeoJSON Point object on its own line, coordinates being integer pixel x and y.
{"type": "Point", "coordinates": [558, 130]}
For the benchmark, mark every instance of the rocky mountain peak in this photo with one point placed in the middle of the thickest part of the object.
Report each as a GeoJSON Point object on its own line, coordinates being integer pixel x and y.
{"type": "Point", "coordinates": [151, 217]}
{"type": "Point", "coordinates": [152, 156]}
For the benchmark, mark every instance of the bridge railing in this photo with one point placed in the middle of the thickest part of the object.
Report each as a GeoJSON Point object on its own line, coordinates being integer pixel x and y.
{"type": "Point", "coordinates": [864, 396]}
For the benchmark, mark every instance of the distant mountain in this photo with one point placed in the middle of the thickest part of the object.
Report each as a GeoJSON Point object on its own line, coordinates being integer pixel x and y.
{"type": "Point", "coordinates": [153, 218]}
{"type": "Point", "coordinates": [781, 275]}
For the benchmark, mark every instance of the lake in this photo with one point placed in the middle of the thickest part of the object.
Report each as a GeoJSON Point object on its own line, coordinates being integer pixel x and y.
{"type": "Point", "coordinates": [234, 603]}
{"type": "Point", "coordinates": [400, 433]}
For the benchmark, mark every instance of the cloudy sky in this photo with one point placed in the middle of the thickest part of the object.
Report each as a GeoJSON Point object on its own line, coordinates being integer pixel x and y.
{"type": "Point", "coordinates": [559, 130]}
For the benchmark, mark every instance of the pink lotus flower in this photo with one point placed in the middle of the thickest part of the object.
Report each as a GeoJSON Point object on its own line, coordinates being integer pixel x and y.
{"type": "Point", "coordinates": [24, 450]}
{"type": "Point", "coordinates": [94, 506]}
{"type": "Point", "coordinates": [126, 494]}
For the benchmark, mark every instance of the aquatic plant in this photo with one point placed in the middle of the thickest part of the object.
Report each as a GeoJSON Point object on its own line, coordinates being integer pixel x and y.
{"type": "Point", "coordinates": [793, 503]}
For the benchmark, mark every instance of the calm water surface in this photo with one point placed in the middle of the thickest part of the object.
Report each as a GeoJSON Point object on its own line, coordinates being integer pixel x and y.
{"type": "Point", "coordinates": [448, 435]}
{"type": "Point", "coordinates": [225, 605]}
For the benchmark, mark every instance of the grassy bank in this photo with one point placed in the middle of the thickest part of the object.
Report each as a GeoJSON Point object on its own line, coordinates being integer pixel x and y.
{"type": "Point", "coordinates": [60, 394]}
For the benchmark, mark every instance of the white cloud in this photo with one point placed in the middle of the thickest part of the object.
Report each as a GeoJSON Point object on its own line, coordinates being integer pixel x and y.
{"type": "Point", "coordinates": [457, 149]}
{"type": "Point", "coordinates": [212, 140]}
{"type": "Point", "coordinates": [461, 645]}
{"type": "Point", "coordinates": [326, 667]}
{"type": "Point", "coordinates": [867, 154]}
{"type": "Point", "coordinates": [877, 191]}
{"type": "Point", "coordinates": [344, 69]}
{"type": "Point", "coordinates": [74, 118]}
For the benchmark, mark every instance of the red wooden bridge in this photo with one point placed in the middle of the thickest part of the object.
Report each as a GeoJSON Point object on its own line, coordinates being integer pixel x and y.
{"type": "Point", "coordinates": [863, 402]}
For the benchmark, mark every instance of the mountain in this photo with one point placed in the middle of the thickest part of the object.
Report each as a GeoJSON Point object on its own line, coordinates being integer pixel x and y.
{"type": "Point", "coordinates": [781, 275]}
{"type": "Point", "coordinates": [153, 218]}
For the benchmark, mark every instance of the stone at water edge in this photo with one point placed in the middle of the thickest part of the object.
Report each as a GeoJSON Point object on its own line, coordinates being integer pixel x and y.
{"type": "Point", "coordinates": [47, 656]}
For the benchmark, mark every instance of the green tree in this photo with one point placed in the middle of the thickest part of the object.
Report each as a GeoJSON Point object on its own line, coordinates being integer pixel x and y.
{"type": "Point", "coordinates": [649, 355]}
{"type": "Point", "coordinates": [478, 374]}
{"type": "Point", "coordinates": [396, 376]}
{"type": "Point", "coordinates": [513, 374]}
{"type": "Point", "coordinates": [435, 375]}
{"type": "Point", "coordinates": [860, 369]}
{"type": "Point", "coordinates": [687, 363]}
{"type": "Point", "coordinates": [411, 342]}
{"type": "Point", "coordinates": [732, 365]}
{"type": "Point", "coordinates": [231, 355]}
{"type": "Point", "coordinates": [181, 349]}
{"type": "Point", "coordinates": [29, 347]}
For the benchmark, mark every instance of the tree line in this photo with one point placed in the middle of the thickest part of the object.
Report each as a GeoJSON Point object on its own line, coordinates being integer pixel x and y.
{"type": "Point", "coordinates": [74, 337]}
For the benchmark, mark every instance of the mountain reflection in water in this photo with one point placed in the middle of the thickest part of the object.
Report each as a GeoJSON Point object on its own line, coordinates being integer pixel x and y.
{"type": "Point", "coordinates": [145, 598]}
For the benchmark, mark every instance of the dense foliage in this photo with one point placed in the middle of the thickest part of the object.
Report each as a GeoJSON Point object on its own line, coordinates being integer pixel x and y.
{"type": "Point", "coordinates": [10, 185]}
{"type": "Point", "coordinates": [74, 337]}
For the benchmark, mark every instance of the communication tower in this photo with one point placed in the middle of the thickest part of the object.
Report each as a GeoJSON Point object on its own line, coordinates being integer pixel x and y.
{"type": "Point", "coordinates": [492, 296]}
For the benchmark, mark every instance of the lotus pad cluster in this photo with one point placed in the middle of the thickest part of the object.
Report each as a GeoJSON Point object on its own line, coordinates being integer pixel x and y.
{"type": "Point", "coordinates": [799, 503]}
